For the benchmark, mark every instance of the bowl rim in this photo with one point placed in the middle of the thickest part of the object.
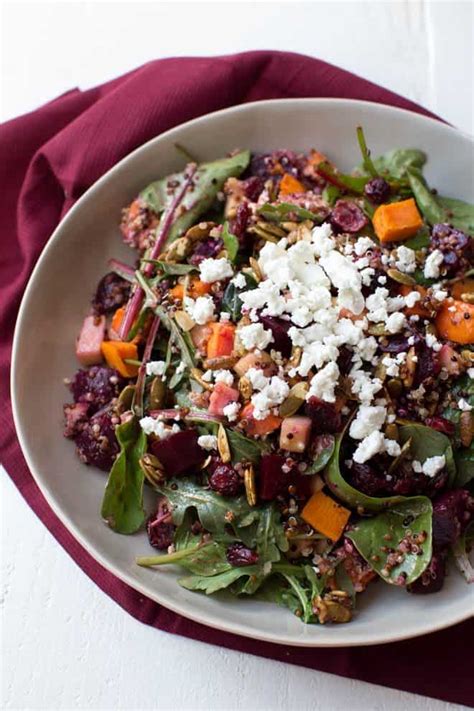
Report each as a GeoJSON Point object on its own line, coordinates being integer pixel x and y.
{"type": "Point", "coordinates": [216, 622]}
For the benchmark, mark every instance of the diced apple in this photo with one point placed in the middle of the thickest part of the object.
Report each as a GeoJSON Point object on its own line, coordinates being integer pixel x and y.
{"type": "Point", "coordinates": [450, 360]}
{"type": "Point", "coordinates": [295, 433]}
{"type": "Point", "coordinates": [221, 396]}
{"type": "Point", "coordinates": [200, 336]}
{"type": "Point", "coordinates": [88, 346]}
{"type": "Point", "coordinates": [256, 359]}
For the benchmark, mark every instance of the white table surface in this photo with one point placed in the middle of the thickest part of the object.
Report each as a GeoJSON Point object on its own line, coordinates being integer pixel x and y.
{"type": "Point", "coordinates": [65, 645]}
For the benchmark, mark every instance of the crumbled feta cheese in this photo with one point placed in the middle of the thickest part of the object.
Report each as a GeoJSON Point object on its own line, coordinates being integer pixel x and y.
{"type": "Point", "coordinates": [417, 466]}
{"type": "Point", "coordinates": [464, 405]}
{"type": "Point", "coordinates": [382, 280]}
{"type": "Point", "coordinates": [180, 368]}
{"type": "Point", "coordinates": [440, 294]}
{"type": "Point", "coordinates": [215, 269]}
{"type": "Point", "coordinates": [239, 281]}
{"type": "Point", "coordinates": [432, 264]}
{"type": "Point", "coordinates": [345, 277]}
{"type": "Point", "coordinates": [322, 239]}
{"type": "Point", "coordinates": [207, 442]}
{"type": "Point", "coordinates": [150, 425]}
{"type": "Point", "coordinates": [156, 367]}
{"type": "Point", "coordinates": [392, 447]}
{"type": "Point", "coordinates": [224, 317]}
{"type": "Point", "coordinates": [405, 260]}
{"type": "Point", "coordinates": [411, 298]}
{"type": "Point", "coordinates": [369, 447]}
{"type": "Point", "coordinates": [207, 376]}
{"type": "Point", "coordinates": [367, 420]}
{"type": "Point", "coordinates": [392, 365]}
{"type": "Point", "coordinates": [223, 376]}
{"type": "Point", "coordinates": [256, 378]}
{"type": "Point", "coordinates": [433, 465]}
{"type": "Point", "coordinates": [323, 384]}
{"type": "Point", "coordinates": [271, 395]}
{"type": "Point", "coordinates": [231, 410]}
{"type": "Point", "coordinates": [362, 245]}
{"type": "Point", "coordinates": [470, 372]}
{"type": "Point", "coordinates": [366, 348]}
{"type": "Point", "coordinates": [364, 385]}
{"type": "Point", "coordinates": [255, 336]}
{"type": "Point", "coordinates": [395, 322]}
{"type": "Point", "coordinates": [432, 342]}
{"type": "Point", "coordinates": [201, 310]}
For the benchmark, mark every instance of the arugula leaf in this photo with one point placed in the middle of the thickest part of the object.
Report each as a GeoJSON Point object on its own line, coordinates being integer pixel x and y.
{"type": "Point", "coordinates": [270, 536]}
{"type": "Point", "coordinates": [211, 584]}
{"type": "Point", "coordinates": [347, 493]}
{"type": "Point", "coordinates": [215, 512]}
{"type": "Point", "coordinates": [395, 163]}
{"type": "Point", "coordinates": [231, 302]}
{"type": "Point", "coordinates": [302, 586]}
{"type": "Point", "coordinates": [231, 243]}
{"type": "Point", "coordinates": [283, 210]}
{"type": "Point", "coordinates": [244, 449]}
{"type": "Point", "coordinates": [208, 182]}
{"type": "Point", "coordinates": [376, 539]}
{"type": "Point", "coordinates": [122, 505]}
{"type": "Point", "coordinates": [426, 442]}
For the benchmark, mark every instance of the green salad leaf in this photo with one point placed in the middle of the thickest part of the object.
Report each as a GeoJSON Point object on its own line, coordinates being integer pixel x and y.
{"type": "Point", "coordinates": [231, 243]}
{"type": "Point", "coordinates": [397, 162]}
{"type": "Point", "coordinates": [461, 550]}
{"type": "Point", "coordinates": [427, 202]}
{"type": "Point", "coordinates": [122, 505]}
{"type": "Point", "coordinates": [244, 449]}
{"type": "Point", "coordinates": [463, 456]}
{"type": "Point", "coordinates": [208, 182]}
{"type": "Point", "coordinates": [321, 451]}
{"type": "Point", "coordinates": [425, 442]}
{"type": "Point", "coordinates": [172, 269]}
{"type": "Point", "coordinates": [459, 213]}
{"type": "Point", "coordinates": [214, 583]}
{"type": "Point", "coordinates": [378, 540]}
{"type": "Point", "coordinates": [231, 301]}
{"type": "Point", "coordinates": [285, 210]}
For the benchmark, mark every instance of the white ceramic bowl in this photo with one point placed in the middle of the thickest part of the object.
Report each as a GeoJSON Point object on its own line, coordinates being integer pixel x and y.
{"type": "Point", "coordinates": [57, 299]}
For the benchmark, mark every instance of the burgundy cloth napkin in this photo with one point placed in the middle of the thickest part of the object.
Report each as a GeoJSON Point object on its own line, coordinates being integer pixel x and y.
{"type": "Point", "coordinates": [49, 158]}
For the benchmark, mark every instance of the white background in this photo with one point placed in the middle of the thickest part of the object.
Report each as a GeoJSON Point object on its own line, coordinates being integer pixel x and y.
{"type": "Point", "coordinates": [65, 645]}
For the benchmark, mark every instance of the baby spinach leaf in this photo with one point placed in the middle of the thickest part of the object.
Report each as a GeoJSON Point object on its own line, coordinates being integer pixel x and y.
{"type": "Point", "coordinates": [214, 511]}
{"type": "Point", "coordinates": [464, 460]}
{"type": "Point", "coordinates": [213, 583]}
{"type": "Point", "coordinates": [463, 456]}
{"type": "Point", "coordinates": [122, 505]}
{"type": "Point", "coordinates": [342, 181]}
{"type": "Point", "coordinates": [231, 243]}
{"type": "Point", "coordinates": [270, 536]}
{"type": "Point", "coordinates": [378, 539]}
{"type": "Point", "coordinates": [321, 452]}
{"type": "Point", "coordinates": [231, 302]}
{"type": "Point", "coordinates": [347, 493]}
{"type": "Point", "coordinates": [425, 199]}
{"type": "Point", "coordinates": [331, 194]}
{"type": "Point", "coordinates": [285, 211]}
{"type": "Point", "coordinates": [425, 442]}
{"type": "Point", "coordinates": [244, 449]}
{"type": "Point", "coordinates": [395, 163]}
{"type": "Point", "coordinates": [458, 213]}
{"type": "Point", "coordinates": [420, 240]}
{"type": "Point", "coordinates": [208, 182]}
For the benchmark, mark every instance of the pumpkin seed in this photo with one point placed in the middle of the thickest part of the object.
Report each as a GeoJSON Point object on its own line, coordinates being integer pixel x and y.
{"type": "Point", "coordinates": [408, 368]}
{"type": "Point", "coordinates": [199, 231]}
{"type": "Point", "coordinates": [223, 444]}
{"type": "Point", "coordinates": [467, 298]}
{"type": "Point", "coordinates": [250, 488]}
{"type": "Point", "coordinates": [400, 277]}
{"type": "Point", "coordinates": [295, 399]}
{"type": "Point", "coordinates": [124, 401]}
{"type": "Point", "coordinates": [152, 469]}
{"type": "Point", "coordinates": [466, 428]}
{"type": "Point", "coordinates": [184, 321]}
{"type": "Point", "coordinates": [196, 375]}
{"type": "Point", "coordinates": [289, 226]}
{"type": "Point", "coordinates": [335, 606]}
{"type": "Point", "coordinates": [378, 329]}
{"type": "Point", "coordinates": [178, 250]}
{"type": "Point", "coordinates": [467, 356]}
{"type": "Point", "coordinates": [394, 387]}
{"type": "Point", "coordinates": [224, 362]}
{"type": "Point", "coordinates": [245, 388]}
{"type": "Point", "coordinates": [296, 353]}
{"type": "Point", "coordinates": [256, 268]}
{"type": "Point", "coordinates": [263, 234]}
{"type": "Point", "coordinates": [391, 431]}
{"type": "Point", "coordinates": [273, 229]}
{"type": "Point", "coordinates": [157, 393]}
{"type": "Point", "coordinates": [404, 452]}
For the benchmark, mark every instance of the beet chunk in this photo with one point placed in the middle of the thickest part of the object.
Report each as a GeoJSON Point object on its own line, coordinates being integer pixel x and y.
{"type": "Point", "coordinates": [96, 386]}
{"type": "Point", "coordinates": [179, 453]}
{"type": "Point", "coordinates": [96, 443]}
{"type": "Point", "coordinates": [159, 526]}
{"type": "Point", "coordinates": [428, 365]}
{"type": "Point", "coordinates": [273, 481]}
{"type": "Point", "coordinates": [346, 216]}
{"type": "Point", "coordinates": [324, 416]}
{"type": "Point", "coordinates": [452, 512]}
{"type": "Point", "coordinates": [432, 579]}
{"type": "Point", "coordinates": [366, 479]}
{"type": "Point", "coordinates": [112, 292]}
{"type": "Point", "coordinates": [279, 328]}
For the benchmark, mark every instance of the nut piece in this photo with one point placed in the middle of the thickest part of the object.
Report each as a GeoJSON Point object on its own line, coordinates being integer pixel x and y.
{"type": "Point", "coordinates": [199, 231]}
{"type": "Point", "coordinates": [157, 393]}
{"type": "Point", "coordinates": [223, 445]}
{"type": "Point", "coordinates": [467, 298]}
{"type": "Point", "coordinates": [466, 428]}
{"type": "Point", "coordinates": [184, 321]}
{"type": "Point", "coordinates": [245, 388]}
{"type": "Point", "coordinates": [408, 368]}
{"type": "Point", "coordinates": [256, 269]}
{"type": "Point", "coordinates": [296, 353]}
{"type": "Point", "coordinates": [295, 399]}
{"type": "Point", "coordinates": [250, 488]}
{"type": "Point", "coordinates": [335, 606]}
{"type": "Point", "coordinates": [196, 375]}
{"type": "Point", "coordinates": [220, 362]}
{"type": "Point", "coordinates": [152, 469]}
{"type": "Point", "coordinates": [178, 250]}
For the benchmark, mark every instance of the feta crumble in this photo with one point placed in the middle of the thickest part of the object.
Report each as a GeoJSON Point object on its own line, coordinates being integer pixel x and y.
{"type": "Point", "coordinates": [150, 425]}
{"type": "Point", "coordinates": [231, 411]}
{"type": "Point", "coordinates": [464, 406]}
{"type": "Point", "coordinates": [432, 265]}
{"type": "Point", "coordinates": [207, 442]}
{"type": "Point", "coordinates": [156, 367]}
{"type": "Point", "coordinates": [215, 269]}
{"type": "Point", "coordinates": [201, 310]}
{"type": "Point", "coordinates": [255, 336]}
{"type": "Point", "coordinates": [367, 420]}
{"type": "Point", "coordinates": [323, 384]}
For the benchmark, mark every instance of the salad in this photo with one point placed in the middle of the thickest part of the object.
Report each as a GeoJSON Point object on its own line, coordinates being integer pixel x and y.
{"type": "Point", "coordinates": [287, 365]}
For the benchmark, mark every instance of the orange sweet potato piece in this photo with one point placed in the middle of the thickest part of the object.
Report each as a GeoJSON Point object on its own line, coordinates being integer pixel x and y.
{"type": "Point", "coordinates": [396, 221]}
{"type": "Point", "coordinates": [418, 309]}
{"type": "Point", "coordinates": [326, 515]}
{"type": "Point", "coordinates": [289, 184]}
{"type": "Point", "coordinates": [196, 288]}
{"type": "Point", "coordinates": [115, 353]}
{"type": "Point", "coordinates": [221, 340]}
{"type": "Point", "coordinates": [255, 427]}
{"type": "Point", "coordinates": [457, 325]}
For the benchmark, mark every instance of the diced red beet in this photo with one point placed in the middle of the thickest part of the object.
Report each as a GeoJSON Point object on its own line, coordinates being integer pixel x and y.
{"type": "Point", "coordinates": [221, 396]}
{"type": "Point", "coordinates": [324, 415]}
{"type": "Point", "coordinates": [88, 346]}
{"type": "Point", "coordinates": [96, 443]}
{"type": "Point", "coordinates": [432, 579]}
{"type": "Point", "coordinates": [440, 424]}
{"type": "Point", "coordinates": [97, 386]}
{"type": "Point", "coordinates": [452, 512]}
{"type": "Point", "coordinates": [279, 328]}
{"type": "Point", "coordinates": [179, 453]}
{"type": "Point", "coordinates": [428, 365]}
{"type": "Point", "coordinates": [273, 480]}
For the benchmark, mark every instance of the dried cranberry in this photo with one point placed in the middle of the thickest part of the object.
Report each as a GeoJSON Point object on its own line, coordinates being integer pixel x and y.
{"type": "Point", "coordinates": [452, 512]}
{"type": "Point", "coordinates": [346, 216]}
{"type": "Point", "coordinates": [96, 442]}
{"type": "Point", "coordinates": [432, 579]}
{"type": "Point", "coordinates": [428, 365]}
{"type": "Point", "coordinates": [205, 249]}
{"type": "Point", "coordinates": [377, 190]}
{"type": "Point", "coordinates": [112, 292]}
{"type": "Point", "coordinates": [457, 247]}
{"type": "Point", "coordinates": [279, 328]}
{"type": "Point", "coordinates": [366, 479]}
{"type": "Point", "coordinates": [324, 416]}
{"type": "Point", "coordinates": [399, 344]}
{"type": "Point", "coordinates": [238, 554]}
{"type": "Point", "coordinates": [441, 424]}
{"type": "Point", "coordinates": [96, 386]}
{"type": "Point", "coordinates": [160, 527]}
{"type": "Point", "coordinates": [253, 187]}
{"type": "Point", "coordinates": [238, 225]}
{"type": "Point", "coordinates": [179, 453]}
{"type": "Point", "coordinates": [225, 480]}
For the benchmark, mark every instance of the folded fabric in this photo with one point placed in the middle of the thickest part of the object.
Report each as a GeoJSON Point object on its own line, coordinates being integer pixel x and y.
{"type": "Point", "coordinates": [49, 158]}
